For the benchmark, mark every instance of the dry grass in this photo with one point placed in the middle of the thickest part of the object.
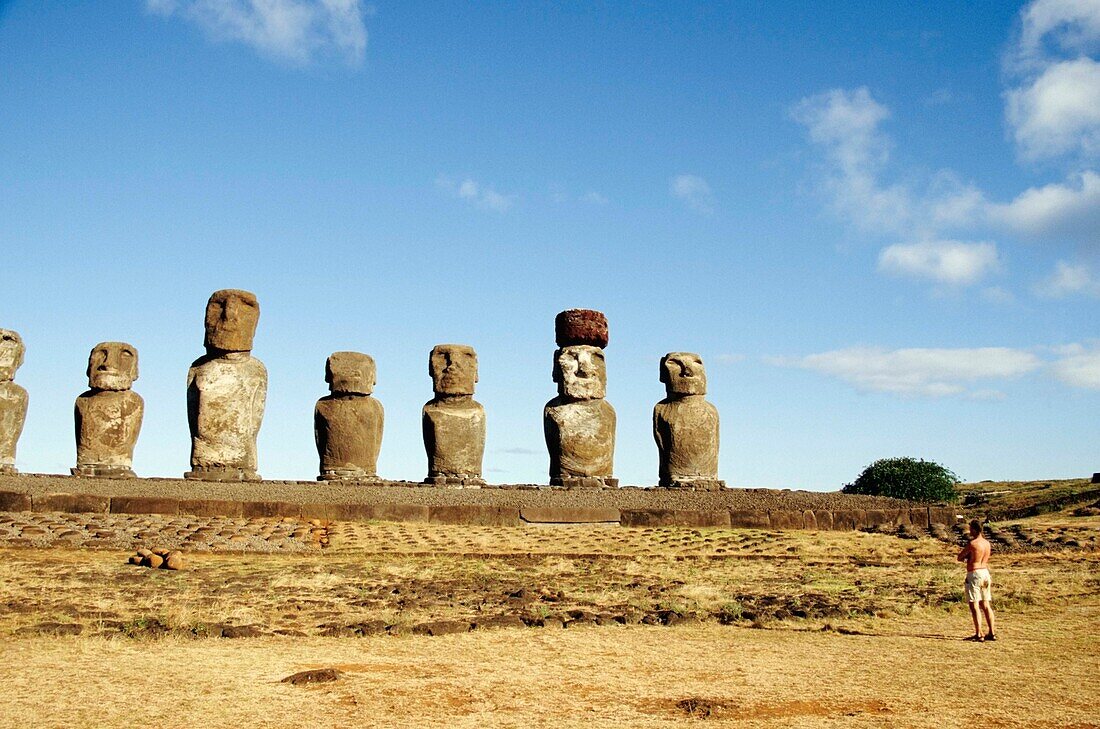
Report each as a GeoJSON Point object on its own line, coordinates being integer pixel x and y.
{"type": "Point", "coordinates": [877, 646]}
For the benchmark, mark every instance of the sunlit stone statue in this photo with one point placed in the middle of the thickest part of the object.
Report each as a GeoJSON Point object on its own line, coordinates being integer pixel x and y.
{"type": "Point", "coordinates": [579, 424]}
{"type": "Point", "coordinates": [226, 392]}
{"type": "Point", "coordinates": [347, 424]}
{"type": "Point", "coordinates": [108, 416]}
{"type": "Point", "coordinates": [685, 426]}
{"type": "Point", "coordinates": [454, 423]}
{"type": "Point", "coordinates": [13, 399]}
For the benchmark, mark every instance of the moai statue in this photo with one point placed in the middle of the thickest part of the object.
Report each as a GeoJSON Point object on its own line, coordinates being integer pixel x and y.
{"type": "Point", "coordinates": [13, 399]}
{"type": "Point", "coordinates": [454, 423]}
{"type": "Point", "coordinates": [579, 424]}
{"type": "Point", "coordinates": [226, 392]}
{"type": "Point", "coordinates": [347, 424]}
{"type": "Point", "coordinates": [108, 416]}
{"type": "Point", "coordinates": [685, 426]}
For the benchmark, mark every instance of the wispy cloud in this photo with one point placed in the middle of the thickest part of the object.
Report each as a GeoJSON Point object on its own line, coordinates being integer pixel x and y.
{"type": "Point", "coordinates": [919, 372]}
{"type": "Point", "coordinates": [294, 31]}
{"type": "Point", "coordinates": [947, 261]}
{"type": "Point", "coordinates": [694, 192]}
{"type": "Point", "coordinates": [1079, 366]}
{"type": "Point", "coordinates": [1069, 279]}
{"type": "Point", "coordinates": [475, 193]}
{"type": "Point", "coordinates": [517, 451]}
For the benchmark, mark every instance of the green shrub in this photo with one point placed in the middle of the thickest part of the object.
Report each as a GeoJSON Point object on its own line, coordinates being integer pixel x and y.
{"type": "Point", "coordinates": [906, 478]}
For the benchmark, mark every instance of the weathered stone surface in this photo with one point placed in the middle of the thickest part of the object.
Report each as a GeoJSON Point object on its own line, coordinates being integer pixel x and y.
{"type": "Point", "coordinates": [348, 423]}
{"type": "Point", "coordinates": [874, 517]}
{"type": "Point", "coordinates": [13, 399]}
{"type": "Point", "coordinates": [823, 518]}
{"type": "Point", "coordinates": [319, 675]}
{"type": "Point", "coordinates": [174, 561]}
{"type": "Point", "coordinates": [108, 416]}
{"type": "Point", "coordinates": [942, 515]}
{"type": "Point", "coordinates": [779, 519]}
{"type": "Point", "coordinates": [13, 501]}
{"type": "Point", "coordinates": [366, 512]}
{"type": "Point", "coordinates": [144, 505]}
{"type": "Point", "coordinates": [453, 422]}
{"type": "Point", "coordinates": [226, 392]}
{"type": "Point", "coordinates": [567, 515]}
{"type": "Point", "coordinates": [848, 519]}
{"type": "Point", "coordinates": [498, 622]}
{"type": "Point", "coordinates": [251, 509]}
{"type": "Point", "coordinates": [71, 503]}
{"type": "Point", "coordinates": [581, 326]}
{"type": "Point", "coordinates": [211, 507]}
{"type": "Point", "coordinates": [153, 560]}
{"type": "Point", "coordinates": [685, 426]}
{"type": "Point", "coordinates": [809, 519]}
{"type": "Point", "coordinates": [476, 515]}
{"type": "Point", "coordinates": [749, 519]}
{"type": "Point", "coordinates": [579, 424]}
{"type": "Point", "coordinates": [674, 517]}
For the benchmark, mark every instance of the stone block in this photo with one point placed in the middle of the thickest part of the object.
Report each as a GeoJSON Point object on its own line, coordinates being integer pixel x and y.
{"type": "Point", "coordinates": [942, 515]}
{"type": "Point", "coordinates": [254, 509]}
{"type": "Point", "coordinates": [900, 517]}
{"type": "Point", "coordinates": [366, 512]}
{"type": "Point", "coordinates": [749, 519]}
{"type": "Point", "coordinates": [144, 505]}
{"type": "Point", "coordinates": [568, 515]}
{"type": "Point", "coordinates": [211, 507]}
{"type": "Point", "coordinates": [823, 518]}
{"type": "Point", "coordinates": [476, 515]}
{"type": "Point", "coordinates": [581, 327]}
{"type": "Point", "coordinates": [675, 517]}
{"type": "Point", "coordinates": [781, 519]}
{"type": "Point", "coordinates": [13, 501]}
{"type": "Point", "coordinates": [71, 503]}
{"type": "Point", "coordinates": [809, 519]}
{"type": "Point", "coordinates": [849, 519]}
{"type": "Point", "coordinates": [876, 517]}
{"type": "Point", "coordinates": [919, 517]}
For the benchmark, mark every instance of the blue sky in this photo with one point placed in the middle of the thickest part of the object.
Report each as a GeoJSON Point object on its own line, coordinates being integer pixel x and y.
{"type": "Point", "coordinates": [879, 225]}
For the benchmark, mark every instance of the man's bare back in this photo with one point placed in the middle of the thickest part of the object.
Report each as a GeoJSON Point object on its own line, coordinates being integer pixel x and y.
{"type": "Point", "coordinates": [976, 554]}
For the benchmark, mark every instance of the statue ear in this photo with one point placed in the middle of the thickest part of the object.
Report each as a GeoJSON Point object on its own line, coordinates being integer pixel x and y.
{"type": "Point", "coordinates": [663, 374]}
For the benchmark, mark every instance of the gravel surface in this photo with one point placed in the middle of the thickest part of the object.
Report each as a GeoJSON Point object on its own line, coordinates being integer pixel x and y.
{"type": "Point", "coordinates": [405, 492]}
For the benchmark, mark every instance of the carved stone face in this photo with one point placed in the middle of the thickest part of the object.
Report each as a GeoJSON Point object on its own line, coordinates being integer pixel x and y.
{"type": "Point", "coordinates": [353, 373]}
{"type": "Point", "coordinates": [112, 366]}
{"type": "Point", "coordinates": [453, 368]}
{"type": "Point", "coordinates": [581, 372]}
{"type": "Point", "coordinates": [11, 354]}
{"type": "Point", "coordinates": [683, 374]}
{"type": "Point", "coordinates": [231, 317]}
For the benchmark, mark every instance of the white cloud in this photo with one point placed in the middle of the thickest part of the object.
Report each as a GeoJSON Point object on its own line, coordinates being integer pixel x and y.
{"type": "Point", "coordinates": [947, 261]}
{"type": "Point", "coordinates": [476, 194]}
{"type": "Point", "coordinates": [1067, 280]}
{"type": "Point", "coordinates": [694, 191]}
{"type": "Point", "coordinates": [1064, 211]}
{"type": "Point", "coordinates": [1079, 367]}
{"type": "Point", "coordinates": [920, 372]}
{"type": "Point", "coordinates": [289, 30]}
{"type": "Point", "coordinates": [1058, 111]}
{"type": "Point", "coordinates": [595, 198]}
{"type": "Point", "coordinates": [846, 125]}
{"type": "Point", "coordinates": [1054, 108]}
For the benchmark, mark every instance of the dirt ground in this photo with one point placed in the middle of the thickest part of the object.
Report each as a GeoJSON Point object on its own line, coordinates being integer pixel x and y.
{"type": "Point", "coordinates": [433, 625]}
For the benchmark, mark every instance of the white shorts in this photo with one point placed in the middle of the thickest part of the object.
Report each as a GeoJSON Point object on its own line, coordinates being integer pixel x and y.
{"type": "Point", "coordinates": [977, 586]}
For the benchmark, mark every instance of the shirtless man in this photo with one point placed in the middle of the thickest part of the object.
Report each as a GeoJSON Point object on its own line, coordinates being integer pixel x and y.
{"type": "Point", "coordinates": [976, 556]}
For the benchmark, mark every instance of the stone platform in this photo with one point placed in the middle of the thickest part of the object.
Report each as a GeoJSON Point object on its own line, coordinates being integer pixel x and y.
{"type": "Point", "coordinates": [508, 505]}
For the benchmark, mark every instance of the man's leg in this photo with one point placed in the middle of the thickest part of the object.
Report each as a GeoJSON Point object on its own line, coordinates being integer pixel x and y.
{"type": "Point", "coordinates": [974, 617]}
{"type": "Point", "coordinates": [987, 609]}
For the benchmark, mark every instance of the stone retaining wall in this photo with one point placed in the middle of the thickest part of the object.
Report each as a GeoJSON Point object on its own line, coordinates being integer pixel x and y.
{"type": "Point", "coordinates": [520, 506]}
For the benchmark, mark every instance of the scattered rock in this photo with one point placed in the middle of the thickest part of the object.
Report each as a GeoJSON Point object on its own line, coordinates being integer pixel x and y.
{"type": "Point", "coordinates": [441, 627]}
{"type": "Point", "coordinates": [319, 675]}
{"type": "Point", "coordinates": [174, 561]}
{"type": "Point", "coordinates": [241, 631]}
{"type": "Point", "coordinates": [499, 621]}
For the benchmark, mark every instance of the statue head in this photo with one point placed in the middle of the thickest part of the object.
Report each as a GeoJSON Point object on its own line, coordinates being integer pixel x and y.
{"type": "Point", "coordinates": [11, 354]}
{"type": "Point", "coordinates": [231, 317]}
{"type": "Point", "coordinates": [352, 373]}
{"type": "Point", "coordinates": [683, 374]}
{"type": "Point", "coordinates": [581, 372]}
{"type": "Point", "coordinates": [453, 368]}
{"type": "Point", "coordinates": [112, 366]}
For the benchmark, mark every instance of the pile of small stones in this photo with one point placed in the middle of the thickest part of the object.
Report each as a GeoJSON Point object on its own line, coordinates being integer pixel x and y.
{"type": "Point", "coordinates": [158, 558]}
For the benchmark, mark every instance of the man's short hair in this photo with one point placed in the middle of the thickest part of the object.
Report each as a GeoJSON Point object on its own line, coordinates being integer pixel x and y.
{"type": "Point", "coordinates": [975, 526]}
